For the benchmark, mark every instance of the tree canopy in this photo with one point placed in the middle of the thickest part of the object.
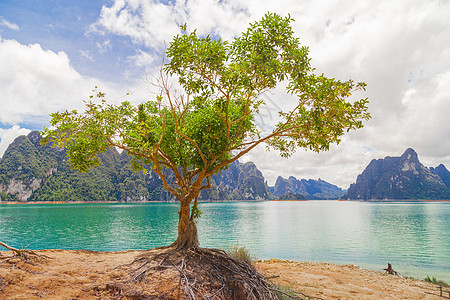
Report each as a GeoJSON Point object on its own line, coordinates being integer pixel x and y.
{"type": "Point", "coordinates": [198, 132]}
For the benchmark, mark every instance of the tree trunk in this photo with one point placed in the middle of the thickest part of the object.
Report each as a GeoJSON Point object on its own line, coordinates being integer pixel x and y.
{"type": "Point", "coordinates": [187, 230]}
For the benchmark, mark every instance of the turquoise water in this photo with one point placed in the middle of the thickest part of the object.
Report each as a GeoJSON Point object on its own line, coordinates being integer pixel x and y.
{"type": "Point", "coordinates": [414, 236]}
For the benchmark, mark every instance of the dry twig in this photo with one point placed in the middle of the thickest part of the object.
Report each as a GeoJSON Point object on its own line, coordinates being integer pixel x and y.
{"type": "Point", "coordinates": [23, 253]}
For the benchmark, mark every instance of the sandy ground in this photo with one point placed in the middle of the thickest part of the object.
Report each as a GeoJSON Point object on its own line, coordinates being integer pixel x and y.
{"type": "Point", "coordinates": [76, 274]}
{"type": "Point", "coordinates": [328, 281]}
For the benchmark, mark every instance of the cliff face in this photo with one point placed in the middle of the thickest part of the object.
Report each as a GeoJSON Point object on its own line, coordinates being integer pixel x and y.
{"type": "Point", "coordinates": [30, 172]}
{"type": "Point", "coordinates": [242, 181]}
{"type": "Point", "coordinates": [311, 189]}
{"type": "Point", "coordinates": [25, 165]}
{"type": "Point", "coordinates": [22, 189]}
{"type": "Point", "coordinates": [443, 173]}
{"type": "Point", "coordinates": [398, 178]}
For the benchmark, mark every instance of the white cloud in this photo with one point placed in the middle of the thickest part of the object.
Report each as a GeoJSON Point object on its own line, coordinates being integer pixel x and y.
{"type": "Point", "coordinates": [104, 46]}
{"type": "Point", "coordinates": [8, 135]}
{"type": "Point", "coordinates": [142, 59]}
{"type": "Point", "coordinates": [339, 166]}
{"type": "Point", "coordinates": [86, 55]}
{"type": "Point", "coordinates": [151, 23]}
{"type": "Point", "coordinates": [36, 82]}
{"type": "Point", "coordinates": [4, 22]}
{"type": "Point", "coordinates": [144, 22]}
{"type": "Point", "coordinates": [400, 49]}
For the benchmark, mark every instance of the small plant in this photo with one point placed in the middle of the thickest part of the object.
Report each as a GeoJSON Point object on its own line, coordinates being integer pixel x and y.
{"type": "Point", "coordinates": [288, 292]}
{"type": "Point", "coordinates": [435, 281]}
{"type": "Point", "coordinates": [240, 252]}
{"type": "Point", "coordinates": [283, 292]}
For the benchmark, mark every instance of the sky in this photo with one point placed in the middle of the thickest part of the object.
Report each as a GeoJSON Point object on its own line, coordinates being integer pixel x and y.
{"type": "Point", "coordinates": [53, 54]}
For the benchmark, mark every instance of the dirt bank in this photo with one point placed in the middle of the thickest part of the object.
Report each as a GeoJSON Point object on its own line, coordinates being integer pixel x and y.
{"type": "Point", "coordinates": [328, 281]}
{"type": "Point", "coordinates": [79, 274]}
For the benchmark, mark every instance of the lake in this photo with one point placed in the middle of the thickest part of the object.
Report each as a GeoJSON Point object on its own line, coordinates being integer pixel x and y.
{"type": "Point", "coordinates": [413, 236]}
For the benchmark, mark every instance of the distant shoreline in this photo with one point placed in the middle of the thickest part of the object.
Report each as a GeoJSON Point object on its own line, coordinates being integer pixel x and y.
{"type": "Point", "coordinates": [403, 200]}
{"type": "Point", "coordinates": [219, 201]}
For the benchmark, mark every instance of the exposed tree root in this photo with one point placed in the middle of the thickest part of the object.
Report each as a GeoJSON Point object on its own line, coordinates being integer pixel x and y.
{"type": "Point", "coordinates": [196, 273]}
{"type": "Point", "coordinates": [22, 253]}
{"type": "Point", "coordinates": [171, 273]}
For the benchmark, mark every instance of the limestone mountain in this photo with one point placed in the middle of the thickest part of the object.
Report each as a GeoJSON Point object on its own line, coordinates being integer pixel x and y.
{"type": "Point", "coordinates": [442, 172]}
{"type": "Point", "coordinates": [401, 177]}
{"type": "Point", "coordinates": [31, 172]}
{"type": "Point", "coordinates": [25, 165]}
{"type": "Point", "coordinates": [309, 188]}
{"type": "Point", "coordinates": [241, 181]}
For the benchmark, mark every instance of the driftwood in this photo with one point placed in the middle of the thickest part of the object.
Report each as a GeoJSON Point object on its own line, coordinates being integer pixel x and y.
{"type": "Point", "coordinates": [22, 253]}
{"type": "Point", "coordinates": [390, 270]}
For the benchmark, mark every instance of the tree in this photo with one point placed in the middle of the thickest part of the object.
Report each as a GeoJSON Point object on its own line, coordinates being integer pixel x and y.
{"type": "Point", "coordinates": [195, 135]}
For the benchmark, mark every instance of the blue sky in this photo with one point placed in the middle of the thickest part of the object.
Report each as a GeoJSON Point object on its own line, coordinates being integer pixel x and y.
{"type": "Point", "coordinates": [66, 26]}
{"type": "Point", "coordinates": [52, 54]}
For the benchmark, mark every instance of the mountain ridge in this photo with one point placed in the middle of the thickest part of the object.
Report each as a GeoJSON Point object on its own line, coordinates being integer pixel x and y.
{"type": "Point", "coordinates": [311, 189]}
{"type": "Point", "coordinates": [401, 177]}
{"type": "Point", "coordinates": [31, 172]}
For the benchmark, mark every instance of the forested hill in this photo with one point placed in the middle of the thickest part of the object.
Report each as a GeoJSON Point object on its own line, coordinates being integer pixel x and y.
{"type": "Point", "coordinates": [30, 172]}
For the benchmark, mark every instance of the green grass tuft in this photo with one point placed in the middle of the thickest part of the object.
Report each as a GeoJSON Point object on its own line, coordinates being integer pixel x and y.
{"type": "Point", "coordinates": [435, 281]}
{"type": "Point", "coordinates": [283, 292]}
{"type": "Point", "coordinates": [240, 252]}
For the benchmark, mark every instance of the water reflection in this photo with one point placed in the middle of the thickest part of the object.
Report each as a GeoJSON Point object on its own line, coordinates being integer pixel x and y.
{"type": "Point", "coordinates": [412, 233]}
{"type": "Point", "coordinates": [412, 236]}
